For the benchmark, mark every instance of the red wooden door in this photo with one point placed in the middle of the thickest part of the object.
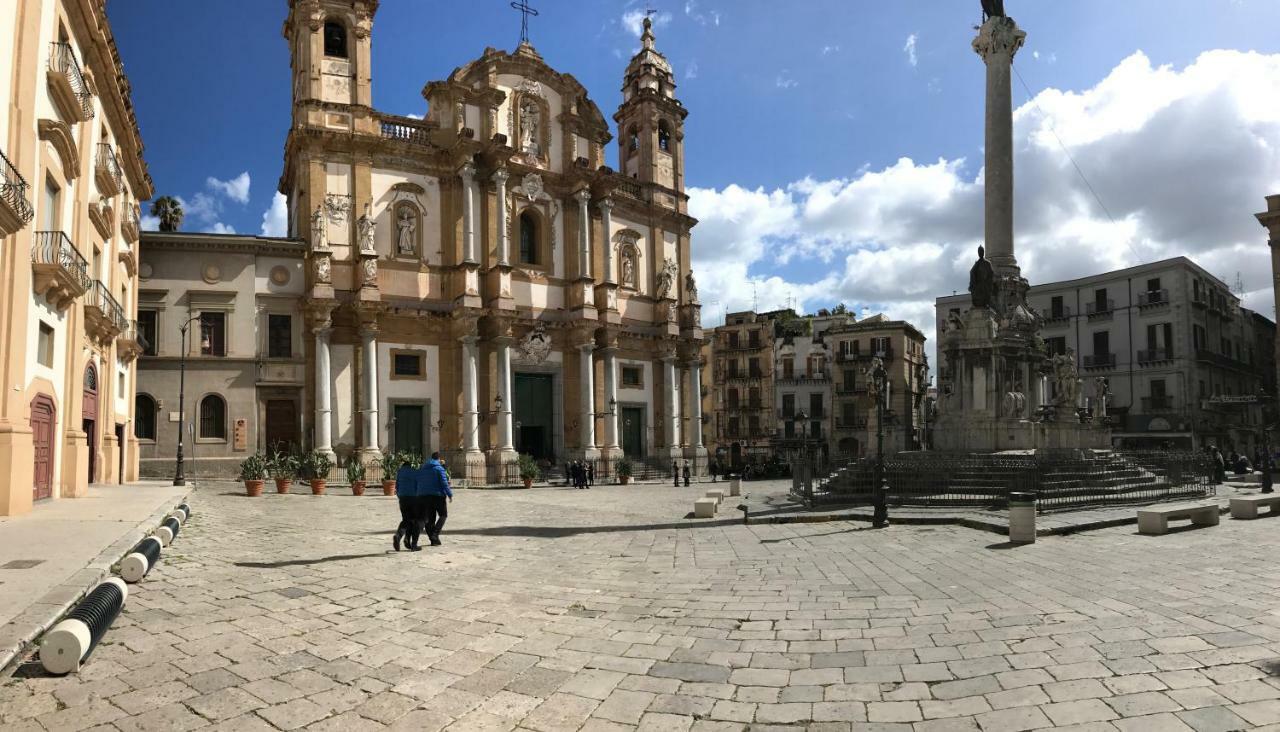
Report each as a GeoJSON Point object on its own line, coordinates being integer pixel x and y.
{"type": "Point", "coordinates": [42, 419]}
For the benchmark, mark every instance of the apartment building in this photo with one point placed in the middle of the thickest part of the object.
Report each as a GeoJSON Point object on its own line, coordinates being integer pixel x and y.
{"type": "Point", "coordinates": [71, 176]}
{"type": "Point", "coordinates": [803, 380]}
{"type": "Point", "coordinates": [741, 397]}
{"type": "Point", "coordinates": [900, 347]}
{"type": "Point", "coordinates": [1184, 363]}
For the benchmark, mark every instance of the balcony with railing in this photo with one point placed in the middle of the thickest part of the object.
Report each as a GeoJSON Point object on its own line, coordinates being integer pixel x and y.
{"type": "Point", "coordinates": [61, 274]}
{"type": "Point", "coordinates": [15, 209]}
{"type": "Point", "coordinates": [103, 315]}
{"type": "Point", "coordinates": [1153, 298]}
{"type": "Point", "coordinates": [130, 343]}
{"type": "Point", "coordinates": [1157, 404]}
{"type": "Point", "coordinates": [1100, 309]}
{"type": "Point", "coordinates": [405, 129]}
{"type": "Point", "coordinates": [67, 83]}
{"type": "Point", "coordinates": [850, 425]}
{"type": "Point", "coordinates": [816, 378]}
{"type": "Point", "coordinates": [107, 171]}
{"type": "Point", "coordinates": [1219, 359]}
{"type": "Point", "coordinates": [1155, 355]}
{"type": "Point", "coordinates": [1061, 316]}
{"type": "Point", "coordinates": [1100, 361]}
{"type": "Point", "coordinates": [129, 226]}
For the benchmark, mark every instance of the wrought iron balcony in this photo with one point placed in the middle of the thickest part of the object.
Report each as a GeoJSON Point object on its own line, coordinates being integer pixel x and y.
{"type": "Point", "coordinates": [61, 273]}
{"type": "Point", "coordinates": [1152, 298]}
{"type": "Point", "coordinates": [67, 81]}
{"type": "Point", "coordinates": [1100, 360]}
{"type": "Point", "coordinates": [130, 343]}
{"type": "Point", "coordinates": [15, 209]}
{"type": "Point", "coordinates": [107, 171]}
{"type": "Point", "coordinates": [1100, 309]}
{"type": "Point", "coordinates": [1057, 317]}
{"type": "Point", "coordinates": [104, 316]}
{"type": "Point", "coordinates": [129, 226]}
{"type": "Point", "coordinates": [802, 379]}
{"type": "Point", "coordinates": [1155, 354]}
{"type": "Point", "coordinates": [1156, 404]}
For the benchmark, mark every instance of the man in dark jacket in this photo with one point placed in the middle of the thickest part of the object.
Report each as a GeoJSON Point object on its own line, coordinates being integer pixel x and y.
{"type": "Point", "coordinates": [407, 493]}
{"type": "Point", "coordinates": [433, 485]}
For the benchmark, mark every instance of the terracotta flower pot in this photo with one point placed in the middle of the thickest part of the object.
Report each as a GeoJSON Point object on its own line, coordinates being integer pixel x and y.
{"type": "Point", "coordinates": [528, 482]}
{"type": "Point", "coordinates": [388, 487]}
{"type": "Point", "coordinates": [283, 485]}
{"type": "Point", "coordinates": [253, 487]}
{"type": "Point", "coordinates": [317, 486]}
{"type": "Point", "coordinates": [357, 487]}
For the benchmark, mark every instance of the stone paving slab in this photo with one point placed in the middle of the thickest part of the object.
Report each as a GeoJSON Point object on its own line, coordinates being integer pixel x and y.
{"type": "Point", "coordinates": [557, 609]}
{"type": "Point", "coordinates": [75, 541]}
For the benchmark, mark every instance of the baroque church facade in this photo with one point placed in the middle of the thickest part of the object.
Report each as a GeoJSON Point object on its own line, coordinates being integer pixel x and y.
{"type": "Point", "coordinates": [480, 282]}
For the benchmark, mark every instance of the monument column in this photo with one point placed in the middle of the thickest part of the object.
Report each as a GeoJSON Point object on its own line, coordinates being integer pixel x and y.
{"type": "Point", "coordinates": [324, 384]}
{"type": "Point", "coordinates": [998, 41]}
{"type": "Point", "coordinates": [1271, 220]}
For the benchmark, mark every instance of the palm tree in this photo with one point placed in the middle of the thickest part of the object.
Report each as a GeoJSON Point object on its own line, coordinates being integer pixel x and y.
{"type": "Point", "coordinates": [169, 210]}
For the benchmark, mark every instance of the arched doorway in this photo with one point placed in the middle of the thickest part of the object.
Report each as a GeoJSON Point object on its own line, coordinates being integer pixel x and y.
{"type": "Point", "coordinates": [43, 418]}
{"type": "Point", "coordinates": [89, 414]}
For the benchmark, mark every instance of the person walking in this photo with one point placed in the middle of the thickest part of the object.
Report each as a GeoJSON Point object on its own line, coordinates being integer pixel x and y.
{"type": "Point", "coordinates": [686, 473]}
{"type": "Point", "coordinates": [714, 469]}
{"type": "Point", "coordinates": [1219, 466]}
{"type": "Point", "coordinates": [436, 495]}
{"type": "Point", "coordinates": [675, 473]}
{"type": "Point", "coordinates": [591, 473]}
{"type": "Point", "coordinates": [407, 494]}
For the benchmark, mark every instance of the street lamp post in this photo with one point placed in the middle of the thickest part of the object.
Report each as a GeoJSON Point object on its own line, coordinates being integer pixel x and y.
{"type": "Point", "coordinates": [805, 476]}
{"type": "Point", "coordinates": [179, 476]}
{"type": "Point", "coordinates": [880, 511]}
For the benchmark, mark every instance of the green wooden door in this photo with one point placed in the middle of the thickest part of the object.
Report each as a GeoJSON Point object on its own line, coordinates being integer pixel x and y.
{"type": "Point", "coordinates": [408, 431]}
{"type": "Point", "coordinates": [632, 431]}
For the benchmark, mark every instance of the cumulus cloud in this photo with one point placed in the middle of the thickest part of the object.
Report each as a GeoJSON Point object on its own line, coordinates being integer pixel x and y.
{"type": "Point", "coordinates": [1181, 158]}
{"type": "Point", "coordinates": [909, 48]}
{"type": "Point", "coordinates": [237, 189]}
{"type": "Point", "coordinates": [633, 20]}
{"type": "Point", "coordinates": [221, 228]}
{"type": "Point", "coordinates": [150, 223]}
{"type": "Point", "coordinates": [275, 220]}
{"type": "Point", "coordinates": [785, 81]}
{"type": "Point", "coordinates": [828, 50]}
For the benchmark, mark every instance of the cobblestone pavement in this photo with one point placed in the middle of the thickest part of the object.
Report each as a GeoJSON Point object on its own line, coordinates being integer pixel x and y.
{"type": "Point", "coordinates": [557, 609]}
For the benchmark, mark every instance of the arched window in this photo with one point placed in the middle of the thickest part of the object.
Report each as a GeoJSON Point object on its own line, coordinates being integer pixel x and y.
{"type": "Point", "coordinates": [144, 417]}
{"type": "Point", "coordinates": [335, 39]}
{"type": "Point", "coordinates": [213, 418]}
{"type": "Point", "coordinates": [633, 137]}
{"type": "Point", "coordinates": [664, 137]}
{"type": "Point", "coordinates": [528, 238]}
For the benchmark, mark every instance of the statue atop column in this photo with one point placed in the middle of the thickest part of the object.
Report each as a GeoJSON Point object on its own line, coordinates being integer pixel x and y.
{"type": "Point", "coordinates": [982, 281]}
{"type": "Point", "coordinates": [992, 9]}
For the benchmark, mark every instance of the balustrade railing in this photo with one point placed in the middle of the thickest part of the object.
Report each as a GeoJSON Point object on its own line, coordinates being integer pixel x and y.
{"type": "Point", "coordinates": [62, 60]}
{"type": "Point", "coordinates": [53, 247]}
{"type": "Point", "coordinates": [407, 129]}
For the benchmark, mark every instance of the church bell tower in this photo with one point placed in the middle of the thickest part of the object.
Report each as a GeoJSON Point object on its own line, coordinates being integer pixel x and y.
{"type": "Point", "coordinates": [651, 119]}
{"type": "Point", "coordinates": [329, 42]}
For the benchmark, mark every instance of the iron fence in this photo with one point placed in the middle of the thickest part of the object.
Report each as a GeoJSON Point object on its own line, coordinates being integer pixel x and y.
{"type": "Point", "coordinates": [927, 479]}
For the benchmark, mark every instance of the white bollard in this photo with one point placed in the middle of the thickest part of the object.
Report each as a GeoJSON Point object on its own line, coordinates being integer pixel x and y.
{"type": "Point", "coordinates": [735, 487]}
{"type": "Point", "coordinates": [71, 641]}
{"type": "Point", "coordinates": [1022, 518]}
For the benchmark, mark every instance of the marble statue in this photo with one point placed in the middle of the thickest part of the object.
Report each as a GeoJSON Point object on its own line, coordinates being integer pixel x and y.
{"type": "Point", "coordinates": [691, 287]}
{"type": "Point", "coordinates": [982, 281]}
{"type": "Point", "coordinates": [1065, 376]}
{"type": "Point", "coordinates": [365, 231]}
{"type": "Point", "coordinates": [529, 124]}
{"type": "Point", "coordinates": [666, 279]}
{"type": "Point", "coordinates": [628, 270]}
{"type": "Point", "coordinates": [406, 227]}
{"type": "Point", "coordinates": [319, 230]}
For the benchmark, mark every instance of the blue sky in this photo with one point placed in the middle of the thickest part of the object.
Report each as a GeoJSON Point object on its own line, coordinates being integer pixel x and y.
{"type": "Point", "coordinates": [801, 116]}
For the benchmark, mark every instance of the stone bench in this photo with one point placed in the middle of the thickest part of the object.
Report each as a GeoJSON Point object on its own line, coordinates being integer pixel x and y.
{"type": "Point", "coordinates": [705, 508]}
{"type": "Point", "coordinates": [1246, 507]}
{"type": "Point", "coordinates": [1156, 520]}
{"type": "Point", "coordinates": [717, 494]}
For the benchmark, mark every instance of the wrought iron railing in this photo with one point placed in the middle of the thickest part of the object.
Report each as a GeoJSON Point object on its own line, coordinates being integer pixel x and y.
{"type": "Point", "coordinates": [107, 161]}
{"type": "Point", "coordinates": [110, 307]}
{"type": "Point", "coordinates": [1153, 297]}
{"type": "Point", "coordinates": [62, 60]}
{"type": "Point", "coordinates": [13, 190]}
{"type": "Point", "coordinates": [53, 247]}
{"type": "Point", "coordinates": [1155, 354]}
{"type": "Point", "coordinates": [1100, 307]}
{"type": "Point", "coordinates": [1099, 360]}
{"type": "Point", "coordinates": [1060, 315]}
{"type": "Point", "coordinates": [928, 479]}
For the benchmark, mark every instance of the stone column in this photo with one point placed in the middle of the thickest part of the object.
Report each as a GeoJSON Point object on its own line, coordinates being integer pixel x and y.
{"type": "Point", "coordinates": [587, 378]}
{"type": "Point", "coordinates": [584, 233]}
{"type": "Point", "coordinates": [500, 186]}
{"type": "Point", "coordinates": [369, 385]}
{"type": "Point", "coordinates": [673, 403]}
{"type": "Point", "coordinates": [470, 409]}
{"type": "Point", "coordinates": [695, 403]}
{"type": "Point", "coordinates": [503, 351]}
{"type": "Point", "coordinates": [468, 173]}
{"type": "Point", "coordinates": [324, 383]}
{"type": "Point", "coordinates": [610, 397]}
{"type": "Point", "coordinates": [997, 42]}
{"type": "Point", "coordinates": [606, 241]}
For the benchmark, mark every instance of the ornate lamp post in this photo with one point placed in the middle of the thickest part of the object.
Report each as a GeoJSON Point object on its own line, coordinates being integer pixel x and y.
{"type": "Point", "coordinates": [179, 476]}
{"type": "Point", "coordinates": [880, 511]}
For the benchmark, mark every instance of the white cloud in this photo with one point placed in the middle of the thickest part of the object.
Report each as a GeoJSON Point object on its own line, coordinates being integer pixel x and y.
{"type": "Point", "coordinates": [220, 228]}
{"type": "Point", "coordinates": [692, 71]}
{"type": "Point", "coordinates": [828, 50]}
{"type": "Point", "coordinates": [150, 223]}
{"type": "Point", "coordinates": [1180, 157]}
{"type": "Point", "coordinates": [413, 116]}
{"type": "Point", "coordinates": [785, 81]}
{"type": "Point", "coordinates": [633, 20]}
{"type": "Point", "coordinates": [237, 189]}
{"type": "Point", "coordinates": [910, 49]}
{"type": "Point", "coordinates": [691, 10]}
{"type": "Point", "coordinates": [275, 220]}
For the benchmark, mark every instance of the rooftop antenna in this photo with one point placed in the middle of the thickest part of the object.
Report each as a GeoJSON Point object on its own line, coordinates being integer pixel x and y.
{"type": "Point", "coordinates": [755, 300]}
{"type": "Point", "coordinates": [525, 10]}
{"type": "Point", "coordinates": [1239, 285]}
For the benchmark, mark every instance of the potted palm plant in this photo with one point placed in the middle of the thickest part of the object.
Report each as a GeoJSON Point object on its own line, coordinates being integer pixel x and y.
{"type": "Point", "coordinates": [253, 471]}
{"type": "Point", "coordinates": [390, 463]}
{"type": "Point", "coordinates": [284, 468]}
{"type": "Point", "coordinates": [624, 470]}
{"type": "Point", "coordinates": [355, 475]}
{"type": "Point", "coordinates": [528, 470]}
{"type": "Point", "coordinates": [317, 465]}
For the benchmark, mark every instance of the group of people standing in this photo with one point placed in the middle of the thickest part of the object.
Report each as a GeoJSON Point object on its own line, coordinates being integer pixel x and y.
{"type": "Point", "coordinates": [581, 474]}
{"type": "Point", "coordinates": [424, 494]}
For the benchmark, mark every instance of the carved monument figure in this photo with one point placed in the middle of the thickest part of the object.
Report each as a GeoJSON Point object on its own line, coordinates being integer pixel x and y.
{"type": "Point", "coordinates": [1065, 376]}
{"type": "Point", "coordinates": [628, 270]}
{"type": "Point", "coordinates": [982, 280]}
{"type": "Point", "coordinates": [365, 231]}
{"type": "Point", "coordinates": [529, 121]}
{"type": "Point", "coordinates": [406, 227]}
{"type": "Point", "coordinates": [322, 269]}
{"type": "Point", "coordinates": [691, 287]}
{"type": "Point", "coordinates": [666, 279]}
{"type": "Point", "coordinates": [992, 9]}
{"type": "Point", "coordinates": [319, 233]}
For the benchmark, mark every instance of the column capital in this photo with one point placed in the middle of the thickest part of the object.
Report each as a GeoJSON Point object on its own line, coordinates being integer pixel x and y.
{"type": "Point", "coordinates": [369, 330]}
{"type": "Point", "coordinates": [583, 197]}
{"type": "Point", "coordinates": [605, 204]}
{"type": "Point", "coordinates": [586, 347]}
{"type": "Point", "coordinates": [467, 172]}
{"type": "Point", "coordinates": [998, 37]}
{"type": "Point", "coordinates": [321, 331]}
{"type": "Point", "coordinates": [469, 339]}
{"type": "Point", "coordinates": [500, 176]}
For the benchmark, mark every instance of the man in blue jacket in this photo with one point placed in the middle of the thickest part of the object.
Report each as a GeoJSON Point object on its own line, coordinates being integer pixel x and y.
{"type": "Point", "coordinates": [433, 487]}
{"type": "Point", "coordinates": [408, 493]}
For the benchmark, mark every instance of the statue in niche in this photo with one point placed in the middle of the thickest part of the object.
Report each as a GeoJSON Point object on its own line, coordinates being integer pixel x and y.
{"type": "Point", "coordinates": [366, 230]}
{"type": "Point", "coordinates": [666, 279]}
{"type": "Point", "coordinates": [982, 281]}
{"type": "Point", "coordinates": [406, 231]}
{"type": "Point", "coordinates": [691, 287]}
{"type": "Point", "coordinates": [629, 266]}
{"type": "Point", "coordinates": [319, 232]}
{"type": "Point", "coordinates": [530, 115]}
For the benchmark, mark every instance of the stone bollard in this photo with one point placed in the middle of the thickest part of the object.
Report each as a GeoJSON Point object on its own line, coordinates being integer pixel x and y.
{"type": "Point", "coordinates": [1022, 518]}
{"type": "Point", "coordinates": [735, 487]}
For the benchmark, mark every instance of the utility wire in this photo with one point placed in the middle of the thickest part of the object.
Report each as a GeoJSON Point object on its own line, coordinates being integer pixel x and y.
{"type": "Point", "coordinates": [1129, 241]}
